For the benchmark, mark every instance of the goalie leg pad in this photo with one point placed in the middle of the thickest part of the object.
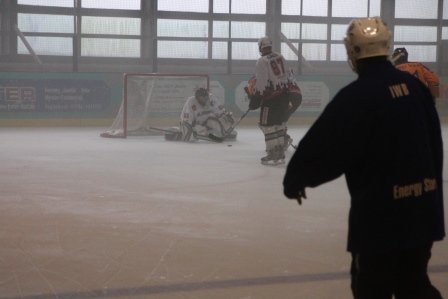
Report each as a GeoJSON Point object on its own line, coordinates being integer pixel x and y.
{"type": "Point", "coordinates": [281, 131]}
{"type": "Point", "coordinates": [270, 136]}
{"type": "Point", "coordinates": [219, 128]}
{"type": "Point", "coordinates": [215, 126]}
{"type": "Point", "coordinates": [274, 138]}
{"type": "Point", "coordinates": [173, 134]}
{"type": "Point", "coordinates": [274, 135]}
{"type": "Point", "coordinates": [186, 131]}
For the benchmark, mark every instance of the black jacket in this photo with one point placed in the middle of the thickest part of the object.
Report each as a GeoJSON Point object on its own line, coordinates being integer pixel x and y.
{"type": "Point", "coordinates": [383, 132]}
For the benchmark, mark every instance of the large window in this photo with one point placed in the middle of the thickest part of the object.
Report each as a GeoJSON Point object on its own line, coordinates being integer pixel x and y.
{"type": "Point", "coordinates": [182, 49]}
{"type": "Point", "coordinates": [101, 36]}
{"type": "Point", "coordinates": [445, 9]}
{"type": "Point", "coordinates": [59, 3]}
{"type": "Point", "coordinates": [317, 8]}
{"type": "Point", "coordinates": [416, 9]}
{"type": "Point", "coordinates": [419, 40]}
{"type": "Point", "coordinates": [44, 23]}
{"type": "Point", "coordinates": [420, 53]}
{"type": "Point", "coordinates": [57, 46]}
{"type": "Point", "coordinates": [316, 42]}
{"type": "Point", "coordinates": [184, 38]}
{"type": "Point", "coordinates": [239, 6]}
{"type": "Point", "coordinates": [110, 29]}
{"type": "Point", "coordinates": [218, 31]}
{"type": "Point", "coordinates": [407, 36]}
{"type": "Point", "coordinates": [111, 4]}
{"type": "Point", "coordinates": [182, 5]}
{"type": "Point", "coordinates": [182, 28]}
{"type": "Point", "coordinates": [338, 51]}
{"type": "Point", "coordinates": [50, 26]}
{"type": "Point", "coordinates": [356, 8]}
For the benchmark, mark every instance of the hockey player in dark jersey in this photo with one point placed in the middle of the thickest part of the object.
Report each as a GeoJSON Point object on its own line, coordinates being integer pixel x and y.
{"type": "Point", "coordinates": [383, 133]}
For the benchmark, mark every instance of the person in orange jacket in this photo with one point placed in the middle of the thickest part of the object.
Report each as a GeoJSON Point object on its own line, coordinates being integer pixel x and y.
{"type": "Point", "coordinates": [429, 78]}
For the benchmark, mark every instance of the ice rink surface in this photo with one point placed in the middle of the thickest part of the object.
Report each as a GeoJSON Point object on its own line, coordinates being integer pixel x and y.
{"type": "Point", "coordinates": [88, 217]}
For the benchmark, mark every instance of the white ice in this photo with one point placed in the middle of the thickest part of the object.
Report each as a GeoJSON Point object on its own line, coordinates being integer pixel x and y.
{"type": "Point", "coordinates": [88, 217]}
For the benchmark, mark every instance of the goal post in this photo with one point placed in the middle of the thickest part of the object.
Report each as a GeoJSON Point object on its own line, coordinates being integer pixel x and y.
{"type": "Point", "coordinates": [153, 99]}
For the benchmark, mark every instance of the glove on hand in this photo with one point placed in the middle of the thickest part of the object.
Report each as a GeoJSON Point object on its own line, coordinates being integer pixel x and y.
{"type": "Point", "coordinates": [255, 102]}
{"type": "Point", "coordinates": [301, 194]}
{"type": "Point", "coordinates": [295, 194]}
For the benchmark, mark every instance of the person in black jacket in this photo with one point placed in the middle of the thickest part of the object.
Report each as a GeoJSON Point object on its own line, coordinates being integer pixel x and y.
{"type": "Point", "coordinates": [383, 133]}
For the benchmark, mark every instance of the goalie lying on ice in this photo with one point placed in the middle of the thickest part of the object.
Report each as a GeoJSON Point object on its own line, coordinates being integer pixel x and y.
{"type": "Point", "coordinates": [204, 115]}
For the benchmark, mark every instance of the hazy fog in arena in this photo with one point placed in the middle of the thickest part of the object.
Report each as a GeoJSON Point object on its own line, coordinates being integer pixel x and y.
{"type": "Point", "coordinates": [88, 217]}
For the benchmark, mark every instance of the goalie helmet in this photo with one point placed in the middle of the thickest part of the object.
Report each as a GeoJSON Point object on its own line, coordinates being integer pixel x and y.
{"type": "Point", "coordinates": [367, 37]}
{"type": "Point", "coordinates": [264, 42]}
{"type": "Point", "coordinates": [202, 95]}
{"type": "Point", "coordinates": [400, 56]}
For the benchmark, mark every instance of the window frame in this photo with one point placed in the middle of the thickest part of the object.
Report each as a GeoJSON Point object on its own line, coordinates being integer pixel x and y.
{"type": "Point", "coordinates": [148, 39]}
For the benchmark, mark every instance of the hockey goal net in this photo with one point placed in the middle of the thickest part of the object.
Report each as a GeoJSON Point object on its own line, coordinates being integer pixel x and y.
{"type": "Point", "coordinates": [151, 100]}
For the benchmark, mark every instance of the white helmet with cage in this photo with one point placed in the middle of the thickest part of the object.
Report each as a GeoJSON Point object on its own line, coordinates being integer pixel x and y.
{"type": "Point", "coordinates": [264, 42]}
{"type": "Point", "coordinates": [367, 37]}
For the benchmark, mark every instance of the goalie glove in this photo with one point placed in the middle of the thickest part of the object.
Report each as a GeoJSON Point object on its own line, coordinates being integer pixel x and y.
{"type": "Point", "coordinates": [255, 102]}
{"type": "Point", "coordinates": [227, 118]}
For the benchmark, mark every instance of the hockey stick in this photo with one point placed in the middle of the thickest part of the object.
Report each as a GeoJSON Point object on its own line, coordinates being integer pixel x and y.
{"type": "Point", "coordinates": [230, 130]}
{"type": "Point", "coordinates": [209, 137]}
{"type": "Point", "coordinates": [161, 130]}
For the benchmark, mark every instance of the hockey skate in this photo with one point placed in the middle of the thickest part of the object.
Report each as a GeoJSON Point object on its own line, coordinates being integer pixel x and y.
{"type": "Point", "coordinates": [274, 157]}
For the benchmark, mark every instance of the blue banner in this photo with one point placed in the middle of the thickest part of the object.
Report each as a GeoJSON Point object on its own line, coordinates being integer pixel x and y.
{"type": "Point", "coordinates": [53, 95]}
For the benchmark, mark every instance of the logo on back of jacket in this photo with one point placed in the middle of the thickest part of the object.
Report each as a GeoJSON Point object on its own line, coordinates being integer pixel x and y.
{"type": "Point", "coordinates": [398, 90]}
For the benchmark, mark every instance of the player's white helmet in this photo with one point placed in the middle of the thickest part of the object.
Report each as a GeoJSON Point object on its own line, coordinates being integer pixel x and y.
{"type": "Point", "coordinates": [264, 42]}
{"type": "Point", "coordinates": [367, 37]}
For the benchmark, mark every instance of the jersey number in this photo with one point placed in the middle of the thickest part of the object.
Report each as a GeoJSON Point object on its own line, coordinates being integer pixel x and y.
{"type": "Point", "coordinates": [277, 66]}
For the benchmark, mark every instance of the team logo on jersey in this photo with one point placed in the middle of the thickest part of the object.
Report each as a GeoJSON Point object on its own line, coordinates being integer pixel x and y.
{"type": "Point", "coordinates": [193, 108]}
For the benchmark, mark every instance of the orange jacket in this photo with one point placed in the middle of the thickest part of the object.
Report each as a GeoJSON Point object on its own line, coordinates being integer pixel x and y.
{"type": "Point", "coordinates": [425, 75]}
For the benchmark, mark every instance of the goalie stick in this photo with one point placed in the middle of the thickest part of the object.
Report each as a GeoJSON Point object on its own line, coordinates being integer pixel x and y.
{"type": "Point", "coordinates": [209, 137]}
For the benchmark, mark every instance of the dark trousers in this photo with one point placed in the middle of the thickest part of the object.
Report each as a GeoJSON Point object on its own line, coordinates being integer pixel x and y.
{"type": "Point", "coordinates": [402, 274]}
{"type": "Point", "coordinates": [273, 112]}
{"type": "Point", "coordinates": [294, 99]}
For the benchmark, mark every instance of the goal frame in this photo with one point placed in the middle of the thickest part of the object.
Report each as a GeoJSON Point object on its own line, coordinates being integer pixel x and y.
{"type": "Point", "coordinates": [126, 77]}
